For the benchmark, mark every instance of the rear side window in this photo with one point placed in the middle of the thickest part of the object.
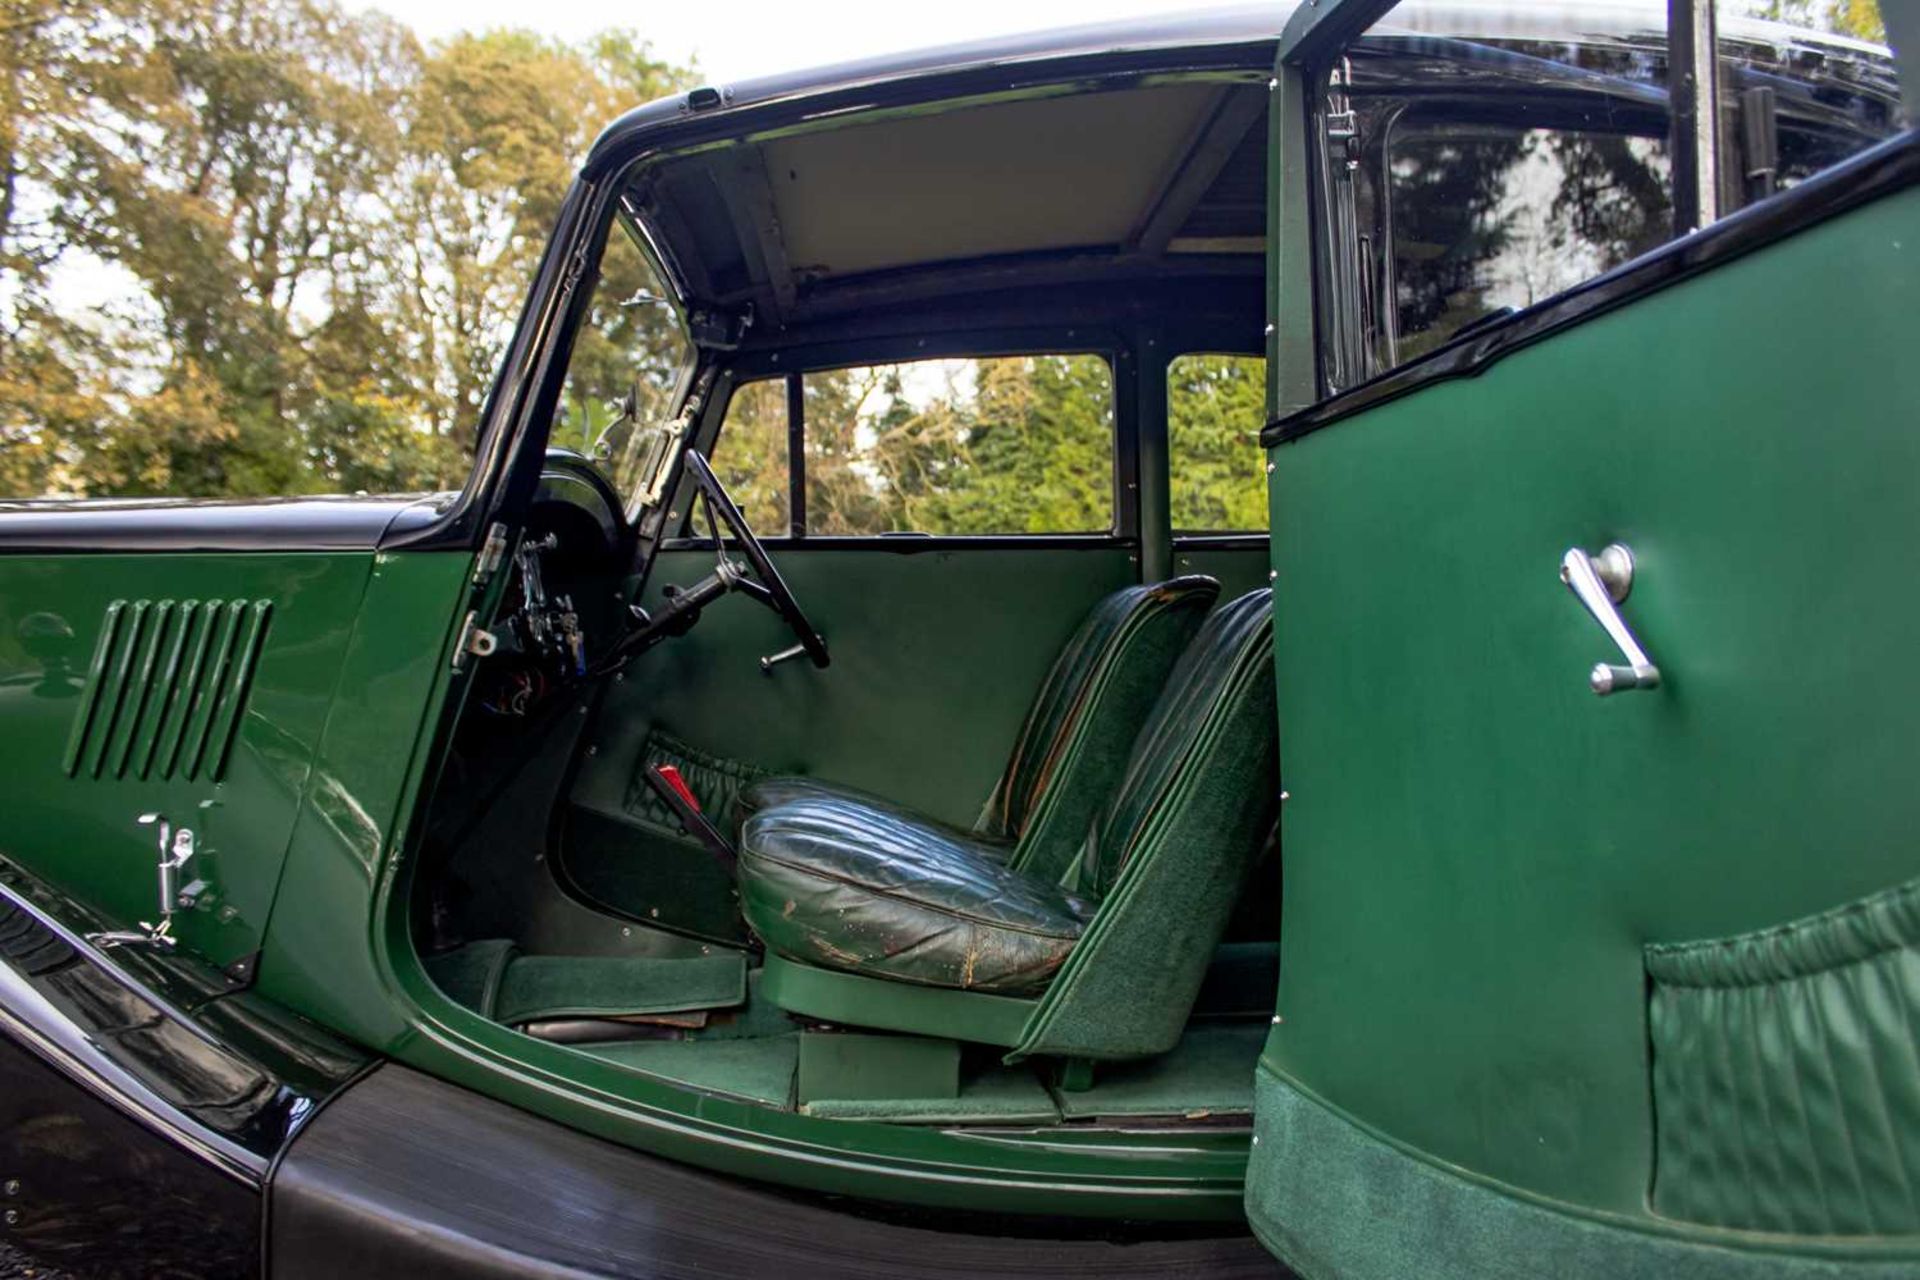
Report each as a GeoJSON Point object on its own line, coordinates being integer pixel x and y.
{"type": "Point", "coordinates": [1216, 405]}
{"type": "Point", "coordinates": [972, 446]}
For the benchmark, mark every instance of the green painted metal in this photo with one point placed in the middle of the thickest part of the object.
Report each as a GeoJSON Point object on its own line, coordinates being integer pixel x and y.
{"type": "Point", "coordinates": [1292, 379]}
{"type": "Point", "coordinates": [1477, 848]}
{"type": "Point", "coordinates": [852, 998]}
{"type": "Point", "coordinates": [323, 959]}
{"type": "Point", "coordinates": [1155, 497]}
{"type": "Point", "coordinates": [193, 685]}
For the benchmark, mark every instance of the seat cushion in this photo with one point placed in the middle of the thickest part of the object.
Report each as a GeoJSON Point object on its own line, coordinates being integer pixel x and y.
{"type": "Point", "coordinates": [770, 792]}
{"type": "Point", "coordinates": [833, 881]}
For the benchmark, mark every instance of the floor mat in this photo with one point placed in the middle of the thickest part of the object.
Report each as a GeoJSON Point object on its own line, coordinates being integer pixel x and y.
{"type": "Point", "coordinates": [755, 1070]}
{"type": "Point", "coordinates": [537, 987]}
{"type": "Point", "coordinates": [1210, 1072]}
{"type": "Point", "coordinates": [997, 1095]}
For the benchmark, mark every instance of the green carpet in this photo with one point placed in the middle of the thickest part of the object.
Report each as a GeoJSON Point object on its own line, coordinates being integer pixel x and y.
{"type": "Point", "coordinates": [1210, 1071]}
{"type": "Point", "coordinates": [755, 1020]}
{"type": "Point", "coordinates": [995, 1095]}
{"type": "Point", "coordinates": [493, 979]}
{"type": "Point", "coordinates": [537, 987]}
{"type": "Point", "coordinates": [755, 1070]}
{"type": "Point", "coordinates": [470, 975]}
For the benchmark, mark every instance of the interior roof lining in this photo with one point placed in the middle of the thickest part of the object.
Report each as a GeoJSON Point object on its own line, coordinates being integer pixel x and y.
{"type": "Point", "coordinates": [1073, 173]}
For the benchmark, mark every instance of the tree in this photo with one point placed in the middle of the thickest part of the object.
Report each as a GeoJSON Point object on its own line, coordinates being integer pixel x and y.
{"type": "Point", "coordinates": [324, 233]}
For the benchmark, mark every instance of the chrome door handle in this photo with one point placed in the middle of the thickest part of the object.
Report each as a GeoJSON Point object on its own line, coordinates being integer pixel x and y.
{"type": "Point", "coordinates": [1602, 582]}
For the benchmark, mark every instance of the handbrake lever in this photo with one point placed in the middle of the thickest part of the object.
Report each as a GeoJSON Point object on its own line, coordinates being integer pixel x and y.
{"type": "Point", "coordinates": [673, 789]}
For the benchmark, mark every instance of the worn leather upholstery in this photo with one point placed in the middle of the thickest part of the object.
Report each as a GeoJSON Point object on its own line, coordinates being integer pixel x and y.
{"type": "Point", "coordinates": [832, 881]}
{"type": "Point", "coordinates": [838, 883]}
{"type": "Point", "coordinates": [1077, 733]}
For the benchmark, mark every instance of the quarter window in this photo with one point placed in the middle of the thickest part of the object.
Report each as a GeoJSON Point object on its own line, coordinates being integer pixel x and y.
{"type": "Point", "coordinates": [751, 457]}
{"type": "Point", "coordinates": [1216, 405]}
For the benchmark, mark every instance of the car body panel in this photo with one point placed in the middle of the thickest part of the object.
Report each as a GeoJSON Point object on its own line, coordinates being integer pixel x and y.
{"type": "Point", "coordinates": [1757, 462]}
{"type": "Point", "coordinates": [193, 685]}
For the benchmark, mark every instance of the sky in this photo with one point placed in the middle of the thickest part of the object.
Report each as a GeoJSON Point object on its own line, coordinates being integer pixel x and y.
{"type": "Point", "coordinates": [737, 39]}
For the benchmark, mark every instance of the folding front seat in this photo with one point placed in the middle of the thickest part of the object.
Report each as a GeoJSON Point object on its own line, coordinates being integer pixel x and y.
{"type": "Point", "coordinates": [871, 919]}
{"type": "Point", "coordinates": [1077, 733]}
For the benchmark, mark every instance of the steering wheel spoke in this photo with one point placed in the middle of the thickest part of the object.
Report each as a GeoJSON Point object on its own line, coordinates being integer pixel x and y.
{"type": "Point", "coordinates": [761, 582]}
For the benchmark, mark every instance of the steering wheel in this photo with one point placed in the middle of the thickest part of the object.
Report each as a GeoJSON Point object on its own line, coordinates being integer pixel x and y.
{"type": "Point", "coordinates": [765, 585]}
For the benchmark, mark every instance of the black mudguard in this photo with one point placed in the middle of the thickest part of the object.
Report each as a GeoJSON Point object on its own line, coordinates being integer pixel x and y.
{"type": "Point", "coordinates": [405, 1176]}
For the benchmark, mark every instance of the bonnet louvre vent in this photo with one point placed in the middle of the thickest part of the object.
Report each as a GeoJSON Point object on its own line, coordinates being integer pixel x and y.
{"type": "Point", "coordinates": [166, 688]}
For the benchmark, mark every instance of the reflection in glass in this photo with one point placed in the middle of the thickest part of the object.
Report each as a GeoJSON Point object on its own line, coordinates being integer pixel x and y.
{"type": "Point", "coordinates": [1486, 220]}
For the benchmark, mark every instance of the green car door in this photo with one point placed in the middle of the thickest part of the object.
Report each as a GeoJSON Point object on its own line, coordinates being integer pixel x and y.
{"type": "Point", "coordinates": [1601, 937]}
{"type": "Point", "coordinates": [167, 671]}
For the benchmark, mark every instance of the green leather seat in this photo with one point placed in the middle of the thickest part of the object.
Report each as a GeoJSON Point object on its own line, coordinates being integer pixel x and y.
{"type": "Point", "coordinates": [859, 905]}
{"type": "Point", "coordinates": [1076, 736]}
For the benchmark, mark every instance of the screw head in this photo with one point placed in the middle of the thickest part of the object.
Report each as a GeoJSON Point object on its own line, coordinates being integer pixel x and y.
{"type": "Point", "coordinates": [13, 1186]}
{"type": "Point", "coordinates": [13, 1217]}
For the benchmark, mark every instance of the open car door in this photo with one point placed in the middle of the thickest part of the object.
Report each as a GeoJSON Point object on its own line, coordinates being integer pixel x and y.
{"type": "Point", "coordinates": [1628, 984]}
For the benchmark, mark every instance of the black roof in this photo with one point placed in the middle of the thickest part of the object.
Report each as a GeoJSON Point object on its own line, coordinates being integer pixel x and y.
{"type": "Point", "coordinates": [1244, 26]}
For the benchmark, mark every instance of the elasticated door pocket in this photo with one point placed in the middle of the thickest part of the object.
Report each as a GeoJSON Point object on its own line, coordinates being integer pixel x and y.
{"type": "Point", "coordinates": [1786, 1073]}
{"type": "Point", "coordinates": [715, 780]}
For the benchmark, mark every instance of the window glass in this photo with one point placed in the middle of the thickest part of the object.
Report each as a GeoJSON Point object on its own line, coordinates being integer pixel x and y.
{"type": "Point", "coordinates": [1797, 102]}
{"type": "Point", "coordinates": [1470, 174]}
{"type": "Point", "coordinates": [1216, 405]}
{"type": "Point", "coordinates": [629, 359]}
{"type": "Point", "coordinates": [981, 445]}
{"type": "Point", "coordinates": [1490, 219]}
{"type": "Point", "coordinates": [750, 457]}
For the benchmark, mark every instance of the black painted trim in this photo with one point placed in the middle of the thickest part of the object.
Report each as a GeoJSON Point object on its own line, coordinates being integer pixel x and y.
{"type": "Point", "coordinates": [1889, 167]}
{"type": "Point", "coordinates": [407, 1176]}
{"type": "Point", "coordinates": [915, 544]}
{"type": "Point", "coordinates": [796, 456]}
{"type": "Point", "coordinates": [1249, 540]}
{"type": "Point", "coordinates": [109, 525]}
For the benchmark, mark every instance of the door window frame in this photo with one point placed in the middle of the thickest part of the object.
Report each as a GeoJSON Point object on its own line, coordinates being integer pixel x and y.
{"type": "Point", "coordinates": [1301, 316]}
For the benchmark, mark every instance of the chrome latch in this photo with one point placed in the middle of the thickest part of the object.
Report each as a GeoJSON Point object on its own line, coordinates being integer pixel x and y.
{"type": "Point", "coordinates": [474, 641]}
{"type": "Point", "coordinates": [176, 850]}
{"type": "Point", "coordinates": [1601, 583]}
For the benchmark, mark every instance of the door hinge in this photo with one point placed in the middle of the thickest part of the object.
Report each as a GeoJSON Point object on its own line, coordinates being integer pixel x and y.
{"type": "Point", "coordinates": [475, 641]}
{"type": "Point", "coordinates": [493, 553]}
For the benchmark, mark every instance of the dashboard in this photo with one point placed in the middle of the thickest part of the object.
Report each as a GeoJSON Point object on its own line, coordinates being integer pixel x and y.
{"type": "Point", "coordinates": [562, 607]}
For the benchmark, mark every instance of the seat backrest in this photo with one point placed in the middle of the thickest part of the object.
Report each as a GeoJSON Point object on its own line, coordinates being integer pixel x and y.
{"type": "Point", "coordinates": [1085, 717]}
{"type": "Point", "coordinates": [1168, 854]}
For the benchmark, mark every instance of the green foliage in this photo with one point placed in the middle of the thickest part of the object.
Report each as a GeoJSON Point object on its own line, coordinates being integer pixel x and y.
{"type": "Point", "coordinates": [1216, 406]}
{"type": "Point", "coordinates": [1008, 445]}
{"type": "Point", "coordinates": [318, 232]}
{"type": "Point", "coordinates": [1857, 18]}
{"type": "Point", "coordinates": [1019, 444]}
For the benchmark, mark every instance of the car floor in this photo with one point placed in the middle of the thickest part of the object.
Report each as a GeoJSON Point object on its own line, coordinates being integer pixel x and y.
{"type": "Point", "coordinates": [753, 1056]}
